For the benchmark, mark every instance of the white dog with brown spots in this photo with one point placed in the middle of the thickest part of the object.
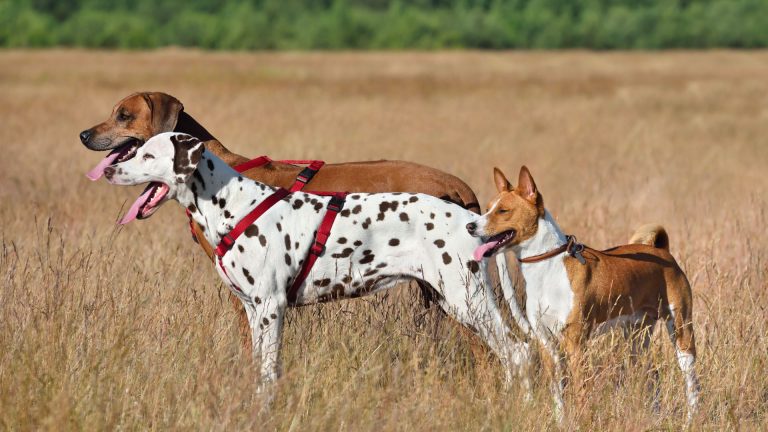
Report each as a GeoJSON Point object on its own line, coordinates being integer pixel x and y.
{"type": "Point", "coordinates": [574, 292]}
{"type": "Point", "coordinates": [376, 241]}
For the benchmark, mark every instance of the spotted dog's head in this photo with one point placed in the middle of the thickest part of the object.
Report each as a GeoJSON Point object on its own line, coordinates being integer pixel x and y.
{"type": "Point", "coordinates": [133, 121]}
{"type": "Point", "coordinates": [166, 161]}
{"type": "Point", "coordinates": [513, 215]}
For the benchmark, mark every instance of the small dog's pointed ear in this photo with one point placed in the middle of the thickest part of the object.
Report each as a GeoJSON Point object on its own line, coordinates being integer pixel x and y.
{"type": "Point", "coordinates": [187, 152]}
{"type": "Point", "coordinates": [165, 111]}
{"type": "Point", "coordinates": [502, 184]}
{"type": "Point", "coordinates": [526, 187]}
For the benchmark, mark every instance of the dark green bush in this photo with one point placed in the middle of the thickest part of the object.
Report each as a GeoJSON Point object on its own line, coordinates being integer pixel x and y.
{"type": "Point", "coordinates": [385, 24]}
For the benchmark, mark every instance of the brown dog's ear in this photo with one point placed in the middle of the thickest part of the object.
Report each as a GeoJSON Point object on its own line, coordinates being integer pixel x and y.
{"type": "Point", "coordinates": [187, 151]}
{"type": "Point", "coordinates": [165, 111]}
{"type": "Point", "coordinates": [502, 184]}
{"type": "Point", "coordinates": [526, 187]}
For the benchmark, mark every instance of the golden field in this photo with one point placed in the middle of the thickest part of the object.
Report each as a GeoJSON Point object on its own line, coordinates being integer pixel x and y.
{"type": "Point", "coordinates": [130, 328]}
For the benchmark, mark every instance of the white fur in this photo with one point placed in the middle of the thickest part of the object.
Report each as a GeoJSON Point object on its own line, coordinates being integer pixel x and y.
{"type": "Point", "coordinates": [550, 302]}
{"type": "Point", "coordinates": [424, 238]}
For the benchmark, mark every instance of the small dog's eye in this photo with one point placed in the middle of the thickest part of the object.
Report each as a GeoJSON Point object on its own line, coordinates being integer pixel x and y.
{"type": "Point", "coordinates": [502, 211]}
{"type": "Point", "coordinates": [148, 156]}
{"type": "Point", "coordinates": [123, 116]}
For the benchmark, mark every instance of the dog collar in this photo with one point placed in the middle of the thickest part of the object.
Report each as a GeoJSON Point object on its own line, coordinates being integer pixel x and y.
{"type": "Point", "coordinates": [572, 247]}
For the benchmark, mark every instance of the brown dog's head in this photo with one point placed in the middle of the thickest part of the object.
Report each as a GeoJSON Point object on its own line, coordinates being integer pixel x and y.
{"type": "Point", "coordinates": [513, 215]}
{"type": "Point", "coordinates": [134, 120]}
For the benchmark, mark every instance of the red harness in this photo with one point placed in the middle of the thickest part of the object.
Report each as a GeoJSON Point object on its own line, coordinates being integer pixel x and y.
{"type": "Point", "coordinates": [323, 232]}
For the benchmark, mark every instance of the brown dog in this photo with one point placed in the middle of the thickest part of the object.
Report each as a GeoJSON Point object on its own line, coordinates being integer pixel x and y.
{"type": "Point", "coordinates": [575, 292]}
{"type": "Point", "coordinates": [142, 115]}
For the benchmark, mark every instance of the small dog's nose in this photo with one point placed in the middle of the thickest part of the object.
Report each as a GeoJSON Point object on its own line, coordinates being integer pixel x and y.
{"type": "Point", "coordinates": [109, 172]}
{"type": "Point", "coordinates": [471, 227]}
{"type": "Point", "coordinates": [85, 136]}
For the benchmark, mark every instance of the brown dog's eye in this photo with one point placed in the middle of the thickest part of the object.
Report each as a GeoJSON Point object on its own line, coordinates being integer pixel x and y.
{"type": "Point", "coordinates": [502, 211]}
{"type": "Point", "coordinates": [123, 116]}
{"type": "Point", "coordinates": [148, 156]}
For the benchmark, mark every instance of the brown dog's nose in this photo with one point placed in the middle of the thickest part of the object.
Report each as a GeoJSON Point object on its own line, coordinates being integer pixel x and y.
{"type": "Point", "coordinates": [109, 172]}
{"type": "Point", "coordinates": [85, 136]}
{"type": "Point", "coordinates": [471, 227]}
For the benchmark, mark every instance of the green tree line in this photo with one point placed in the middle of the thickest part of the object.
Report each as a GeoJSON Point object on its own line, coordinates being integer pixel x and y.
{"type": "Point", "coordinates": [385, 24]}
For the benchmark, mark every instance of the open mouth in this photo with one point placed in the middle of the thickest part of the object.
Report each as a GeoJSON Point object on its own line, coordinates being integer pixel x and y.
{"type": "Point", "coordinates": [492, 244]}
{"type": "Point", "coordinates": [147, 203]}
{"type": "Point", "coordinates": [120, 154]}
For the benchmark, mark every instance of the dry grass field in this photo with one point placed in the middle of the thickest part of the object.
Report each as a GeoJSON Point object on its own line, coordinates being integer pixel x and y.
{"type": "Point", "coordinates": [130, 328]}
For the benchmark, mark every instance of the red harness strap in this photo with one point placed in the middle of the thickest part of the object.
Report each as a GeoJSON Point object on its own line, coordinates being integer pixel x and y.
{"type": "Point", "coordinates": [334, 207]}
{"type": "Point", "coordinates": [229, 239]}
{"type": "Point", "coordinates": [318, 247]}
{"type": "Point", "coordinates": [304, 177]}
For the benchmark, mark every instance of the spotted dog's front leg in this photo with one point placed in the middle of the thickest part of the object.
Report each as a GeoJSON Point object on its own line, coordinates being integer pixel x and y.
{"type": "Point", "coordinates": [267, 328]}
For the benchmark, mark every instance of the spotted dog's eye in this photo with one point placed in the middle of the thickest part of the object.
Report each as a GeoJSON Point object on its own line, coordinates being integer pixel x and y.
{"type": "Point", "coordinates": [148, 156]}
{"type": "Point", "coordinates": [122, 116]}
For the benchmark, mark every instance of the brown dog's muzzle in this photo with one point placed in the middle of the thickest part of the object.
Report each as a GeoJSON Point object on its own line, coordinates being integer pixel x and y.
{"type": "Point", "coordinates": [85, 136]}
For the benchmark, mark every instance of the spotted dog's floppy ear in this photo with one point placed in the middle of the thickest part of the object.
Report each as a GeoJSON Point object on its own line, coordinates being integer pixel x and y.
{"type": "Point", "coordinates": [165, 111]}
{"type": "Point", "coordinates": [187, 151]}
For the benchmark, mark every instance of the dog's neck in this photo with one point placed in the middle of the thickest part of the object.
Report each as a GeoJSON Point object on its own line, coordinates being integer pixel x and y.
{"type": "Point", "coordinates": [190, 126]}
{"type": "Point", "coordinates": [548, 237]}
{"type": "Point", "coordinates": [218, 197]}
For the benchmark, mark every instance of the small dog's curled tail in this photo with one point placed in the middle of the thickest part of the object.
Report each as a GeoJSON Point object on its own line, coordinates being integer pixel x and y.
{"type": "Point", "coordinates": [651, 235]}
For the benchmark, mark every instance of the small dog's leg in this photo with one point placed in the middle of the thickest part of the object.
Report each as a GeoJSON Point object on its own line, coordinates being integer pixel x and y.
{"type": "Point", "coordinates": [680, 329]}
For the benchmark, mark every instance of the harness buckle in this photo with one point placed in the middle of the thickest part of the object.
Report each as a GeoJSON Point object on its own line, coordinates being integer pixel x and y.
{"type": "Point", "coordinates": [306, 175]}
{"type": "Point", "coordinates": [227, 242]}
{"type": "Point", "coordinates": [336, 204]}
{"type": "Point", "coordinates": [317, 248]}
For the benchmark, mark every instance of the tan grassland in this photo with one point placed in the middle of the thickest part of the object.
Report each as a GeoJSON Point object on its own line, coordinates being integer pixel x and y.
{"type": "Point", "coordinates": [106, 328]}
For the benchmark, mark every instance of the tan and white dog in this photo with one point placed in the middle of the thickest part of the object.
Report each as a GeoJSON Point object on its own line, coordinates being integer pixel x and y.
{"type": "Point", "coordinates": [575, 292]}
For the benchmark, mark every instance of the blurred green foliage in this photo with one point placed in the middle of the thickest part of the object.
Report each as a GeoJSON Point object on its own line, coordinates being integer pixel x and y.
{"type": "Point", "coordinates": [385, 24]}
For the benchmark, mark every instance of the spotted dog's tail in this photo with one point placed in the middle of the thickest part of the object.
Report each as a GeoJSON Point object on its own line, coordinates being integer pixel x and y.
{"type": "Point", "coordinates": [651, 235]}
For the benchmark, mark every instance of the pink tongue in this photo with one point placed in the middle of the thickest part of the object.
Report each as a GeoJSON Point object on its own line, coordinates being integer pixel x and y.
{"type": "Point", "coordinates": [483, 248]}
{"type": "Point", "coordinates": [98, 170]}
{"type": "Point", "coordinates": [134, 210]}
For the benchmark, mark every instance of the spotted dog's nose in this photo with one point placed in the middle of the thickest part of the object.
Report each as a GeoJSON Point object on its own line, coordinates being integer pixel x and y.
{"type": "Point", "coordinates": [471, 227]}
{"type": "Point", "coordinates": [85, 136]}
{"type": "Point", "coordinates": [109, 172]}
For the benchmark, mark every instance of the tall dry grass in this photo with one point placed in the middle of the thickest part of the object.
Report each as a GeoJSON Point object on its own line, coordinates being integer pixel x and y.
{"type": "Point", "coordinates": [104, 327]}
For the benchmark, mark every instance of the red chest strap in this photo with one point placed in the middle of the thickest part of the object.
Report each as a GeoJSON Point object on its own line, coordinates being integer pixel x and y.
{"type": "Point", "coordinates": [229, 239]}
{"type": "Point", "coordinates": [317, 249]}
{"type": "Point", "coordinates": [304, 177]}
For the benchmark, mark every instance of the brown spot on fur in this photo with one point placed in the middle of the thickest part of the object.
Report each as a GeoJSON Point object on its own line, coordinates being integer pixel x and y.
{"type": "Point", "coordinates": [252, 231]}
{"type": "Point", "coordinates": [404, 217]}
{"type": "Point", "coordinates": [473, 266]}
{"type": "Point", "coordinates": [248, 276]}
{"type": "Point", "coordinates": [439, 243]}
{"type": "Point", "coordinates": [446, 258]}
{"type": "Point", "coordinates": [343, 254]}
{"type": "Point", "coordinates": [394, 242]}
{"type": "Point", "coordinates": [367, 257]}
